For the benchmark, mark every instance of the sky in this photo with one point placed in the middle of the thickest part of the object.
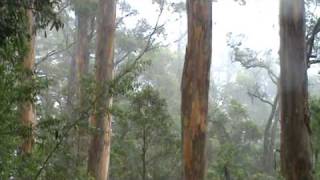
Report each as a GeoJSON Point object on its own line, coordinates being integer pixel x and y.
{"type": "Point", "coordinates": [257, 21]}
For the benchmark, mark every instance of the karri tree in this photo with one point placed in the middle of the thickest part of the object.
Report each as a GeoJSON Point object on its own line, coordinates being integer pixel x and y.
{"type": "Point", "coordinates": [27, 107]}
{"type": "Point", "coordinates": [194, 88]}
{"type": "Point", "coordinates": [294, 113]}
{"type": "Point", "coordinates": [99, 151]}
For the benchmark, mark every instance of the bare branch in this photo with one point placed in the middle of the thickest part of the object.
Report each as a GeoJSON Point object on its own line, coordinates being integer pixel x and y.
{"type": "Point", "coordinates": [117, 62]}
{"type": "Point", "coordinates": [274, 78]}
{"type": "Point", "coordinates": [175, 41]}
{"type": "Point", "coordinates": [260, 97]}
{"type": "Point", "coordinates": [314, 62]}
{"type": "Point", "coordinates": [65, 132]}
{"type": "Point", "coordinates": [55, 148]}
{"type": "Point", "coordinates": [93, 33]}
{"type": "Point", "coordinates": [120, 19]}
{"type": "Point", "coordinates": [252, 61]}
{"type": "Point", "coordinates": [52, 53]}
{"type": "Point", "coordinates": [311, 40]}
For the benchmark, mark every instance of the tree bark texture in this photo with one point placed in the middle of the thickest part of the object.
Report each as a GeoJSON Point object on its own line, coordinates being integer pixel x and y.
{"type": "Point", "coordinates": [295, 130]}
{"type": "Point", "coordinates": [194, 89]}
{"type": "Point", "coordinates": [28, 108]}
{"type": "Point", "coordinates": [99, 152]}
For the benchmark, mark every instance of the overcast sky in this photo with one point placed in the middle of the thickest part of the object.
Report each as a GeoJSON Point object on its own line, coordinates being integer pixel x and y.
{"type": "Point", "coordinates": [257, 21]}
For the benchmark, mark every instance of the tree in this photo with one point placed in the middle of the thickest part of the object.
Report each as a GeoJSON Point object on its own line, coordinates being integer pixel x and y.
{"type": "Point", "coordinates": [99, 151]}
{"type": "Point", "coordinates": [295, 130]}
{"type": "Point", "coordinates": [84, 12]}
{"type": "Point", "coordinates": [85, 27]}
{"type": "Point", "coordinates": [145, 145]}
{"type": "Point", "coordinates": [315, 125]}
{"type": "Point", "coordinates": [233, 152]}
{"type": "Point", "coordinates": [249, 60]}
{"type": "Point", "coordinates": [69, 159]}
{"type": "Point", "coordinates": [27, 107]}
{"type": "Point", "coordinates": [194, 89]}
{"type": "Point", "coordinates": [19, 84]}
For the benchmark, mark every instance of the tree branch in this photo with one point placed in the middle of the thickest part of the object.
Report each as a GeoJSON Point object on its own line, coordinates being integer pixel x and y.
{"type": "Point", "coordinates": [117, 62]}
{"type": "Point", "coordinates": [52, 53]}
{"type": "Point", "coordinates": [120, 19]}
{"type": "Point", "coordinates": [258, 96]}
{"type": "Point", "coordinates": [251, 61]}
{"type": "Point", "coordinates": [311, 40]}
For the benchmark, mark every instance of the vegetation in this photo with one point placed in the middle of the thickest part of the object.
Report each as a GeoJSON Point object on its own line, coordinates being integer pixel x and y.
{"type": "Point", "coordinates": [104, 89]}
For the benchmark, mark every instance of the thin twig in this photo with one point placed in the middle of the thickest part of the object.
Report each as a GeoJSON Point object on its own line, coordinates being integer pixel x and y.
{"type": "Point", "coordinates": [258, 96]}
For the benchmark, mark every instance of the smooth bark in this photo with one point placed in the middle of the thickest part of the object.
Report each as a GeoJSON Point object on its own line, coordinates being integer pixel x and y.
{"type": "Point", "coordinates": [295, 130]}
{"type": "Point", "coordinates": [27, 107]}
{"type": "Point", "coordinates": [99, 152]}
{"type": "Point", "coordinates": [194, 89]}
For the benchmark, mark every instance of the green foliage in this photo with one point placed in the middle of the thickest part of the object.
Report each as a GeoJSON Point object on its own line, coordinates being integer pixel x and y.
{"type": "Point", "coordinates": [143, 132]}
{"type": "Point", "coordinates": [315, 126]}
{"type": "Point", "coordinates": [146, 108]}
{"type": "Point", "coordinates": [164, 73]}
{"type": "Point", "coordinates": [236, 110]}
{"type": "Point", "coordinates": [85, 7]}
{"type": "Point", "coordinates": [15, 87]}
{"type": "Point", "coordinates": [13, 91]}
{"type": "Point", "coordinates": [56, 141]}
{"type": "Point", "coordinates": [13, 18]}
{"type": "Point", "coordinates": [233, 143]}
{"type": "Point", "coordinates": [315, 121]}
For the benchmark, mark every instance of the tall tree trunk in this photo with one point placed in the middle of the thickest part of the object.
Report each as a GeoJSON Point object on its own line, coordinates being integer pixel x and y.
{"type": "Point", "coordinates": [295, 131]}
{"type": "Point", "coordinates": [226, 173]}
{"type": "Point", "coordinates": [144, 154]}
{"type": "Point", "coordinates": [27, 108]}
{"type": "Point", "coordinates": [273, 138]}
{"type": "Point", "coordinates": [99, 152]}
{"type": "Point", "coordinates": [268, 141]}
{"type": "Point", "coordinates": [79, 64]}
{"type": "Point", "coordinates": [82, 52]}
{"type": "Point", "coordinates": [82, 68]}
{"type": "Point", "coordinates": [195, 87]}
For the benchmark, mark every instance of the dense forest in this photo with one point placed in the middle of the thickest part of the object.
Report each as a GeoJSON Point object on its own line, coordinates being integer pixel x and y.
{"type": "Point", "coordinates": [159, 90]}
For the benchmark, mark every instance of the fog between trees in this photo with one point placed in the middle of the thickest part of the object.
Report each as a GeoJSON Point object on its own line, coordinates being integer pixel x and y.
{"type": "Point", "coordinates": [159, 89]}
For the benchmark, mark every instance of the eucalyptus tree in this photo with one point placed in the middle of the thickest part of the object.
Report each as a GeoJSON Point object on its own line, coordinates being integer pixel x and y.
{"type": "Point", "coordinates": [294, 115]}
{"type": "Point", "coordinates": [99, 151]}
{"type": "Point", "coordinates": [195, 88]}
{"type": "Point", "coordinates": [19, 84]}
